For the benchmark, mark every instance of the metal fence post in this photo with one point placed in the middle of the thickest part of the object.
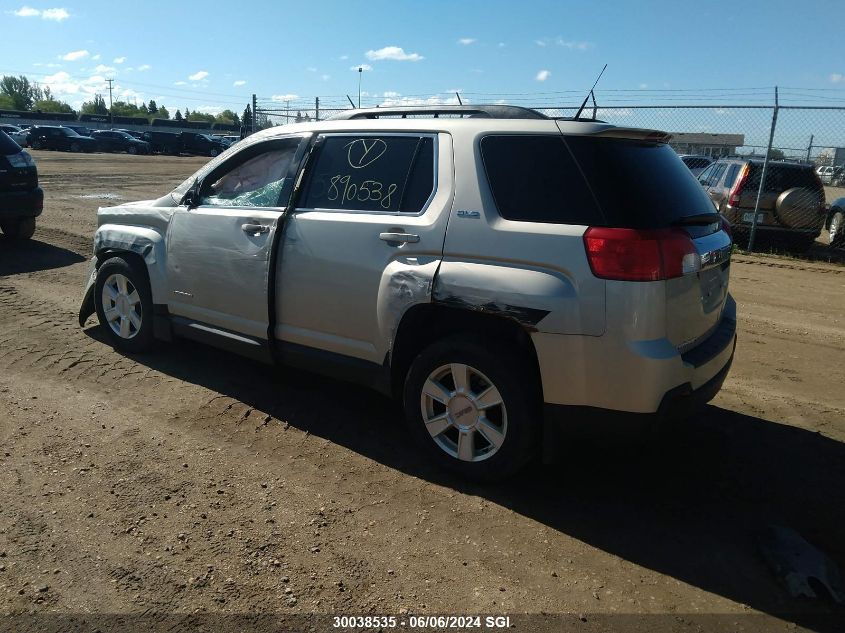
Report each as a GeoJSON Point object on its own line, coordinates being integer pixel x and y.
{"type": "Point", "coordinates": [316, 108]}
{"type": "Point", "coordinates": [763, 175]}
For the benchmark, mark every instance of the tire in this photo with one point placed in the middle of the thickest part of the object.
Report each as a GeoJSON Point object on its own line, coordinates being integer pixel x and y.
{"type": "Point", "coordinates": [132, 149]}
{"type": "Point", "coordinates": [75, 148]}
{"type": "Point", "coordinates": [128, 294]}
{"type": "Point", "coordinates": [837, 230]}
{"type": "Point", "coordinates": [213, 152]}
{"type": "Point", "coordinates": [18, 229]}
{"type": "Point", "coordinates": [465, 444]}
{"type": "Point", "coordinates": [800, 243]}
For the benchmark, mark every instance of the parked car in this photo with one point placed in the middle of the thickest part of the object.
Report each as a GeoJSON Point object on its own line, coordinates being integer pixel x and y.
{"type": "Point", "coordinates": [60, 138]}
{"type": "Point", "coordinates": [163, 142]}
{"type": "Point", "coordinates": [792, 205]}
{"type": "Point", "coordinates": [21, 199]}
{"type": "Point", "coordinates": [695, 163]}
{"type": "Point", "coordinates": [80, 129]}
{"type": "Point", "coordinates": [498, 273]}
{"type": "Point", "coordinates": [115, 141]}
{"type": "Point", "coordinates": [133, 133]}
{"type": "Point", "coordinates": [835, 223]}
{"type": "Point", "coordinates": [201, 144]}
{"type": "Point", "coordinates": [15, 133]}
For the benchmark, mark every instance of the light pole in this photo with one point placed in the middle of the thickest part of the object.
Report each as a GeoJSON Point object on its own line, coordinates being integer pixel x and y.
{"type": "Point", "coordinates": [360, 72]}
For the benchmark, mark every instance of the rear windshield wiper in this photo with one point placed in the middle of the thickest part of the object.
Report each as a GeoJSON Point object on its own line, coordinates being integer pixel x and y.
{"type": "Point", "coordinates": [700, 219]}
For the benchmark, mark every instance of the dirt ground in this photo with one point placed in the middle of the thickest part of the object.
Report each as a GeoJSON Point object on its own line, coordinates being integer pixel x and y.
{"type": "Point", "coordinates": [192, 481]}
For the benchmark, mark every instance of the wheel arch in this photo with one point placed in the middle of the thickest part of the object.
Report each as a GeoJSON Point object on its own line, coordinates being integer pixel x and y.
{"type": "Point", "coordinates": [144, 245]}
{"type": "Point", "coordinates": [424, 324]}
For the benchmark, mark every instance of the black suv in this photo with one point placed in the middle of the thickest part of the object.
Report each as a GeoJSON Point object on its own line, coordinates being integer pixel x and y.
{"type": "Point", "coordinates": [183, 143]}
{"type": "Point", "coordinates": [61, 138]}
{"type": "Point", "coordinates": [21, 199]}
{"type": "Point", "coordinates": [792, 203]}
{"type": "Point", "coordinates": [117, 141]}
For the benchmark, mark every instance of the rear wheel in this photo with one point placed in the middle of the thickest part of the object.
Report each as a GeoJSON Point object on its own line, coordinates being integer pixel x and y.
{"type": "Point", "coordinates": [213, 152]}
{"type": "Point", "coordinates": [124, 304]}
{"type": "Point", "coordinates": [132, 149]}
{"type": "Point", "coordinates": [19, 228]}
{"type": "Point", "coordinates": [470, 407]}
{"type": "Point", "coordinates": [837, 230]}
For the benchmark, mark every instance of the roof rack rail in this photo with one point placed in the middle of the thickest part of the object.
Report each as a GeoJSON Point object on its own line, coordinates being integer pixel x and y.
{"type": "Point", "coordinates": [474, 111]}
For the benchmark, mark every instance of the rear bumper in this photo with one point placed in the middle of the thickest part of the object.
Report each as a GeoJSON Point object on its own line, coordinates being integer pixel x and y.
{"type": "Point", "coordinates": [21, 204]}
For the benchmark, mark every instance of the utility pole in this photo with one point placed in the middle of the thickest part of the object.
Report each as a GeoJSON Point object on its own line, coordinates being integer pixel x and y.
{"type": "Point", "coordinates": [254, 113]}
{"type": "Point", "coordinates": [809, 148]}
{"type": "Point", "coordinates": [763, 174]}
{"type": "Point", "coordinates": [111, 116]}
{"type": "Point", "coordinates": [360, 73]}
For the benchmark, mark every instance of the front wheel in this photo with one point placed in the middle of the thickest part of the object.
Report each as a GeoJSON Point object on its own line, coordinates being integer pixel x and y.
{"type": "Point", "coordinates": [473, 407]}
{"type": "Point", "coordinates": [132, 149]}
{"type": "Point", "coordinates": [837, 230]}
{"type": "Point", "coordinates": [213, 152]}
{"type": "Point", "coordinates": [124, 304]}
{"type": "Point", "coordinates": [18, 229]}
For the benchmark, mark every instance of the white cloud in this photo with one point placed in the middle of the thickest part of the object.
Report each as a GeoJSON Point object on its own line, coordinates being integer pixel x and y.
{"type": "Point", "coordinates": [364, 67]}
{"type": "Point", "coordinates": [102, 68]}
{"type": "Point", "coordinates": [75, 55]}
{"type": "Point", "coordinates": [199, 75]}
{"type": "Point", "coordinates": [543, 75]}
{"type": "Point", "coordinates": [398, 100]}
{"type": "Point", "coordinates": [239, 82]}
{"type": "Point", "coordinates": [288, 97]}
{"type": "Point", "coordinates": [390, 94]}
{"type": "Point", "coordinates": [50, 65]}
{"type": "Point", "coordinates": [207, 109]}
{"type": "Point", "coordinates": [343, 57]}
{"type": "Point", "coordinates": [395, 53]}
{"type": "Point", "coordinates": [466, 41]}
{"type": "Point", "coordinates": [119, 60]}
{"type": "Point", "coordinates": [144, 67]}
{"type": "Point", "coordinates": [837, 78]}
{"type": "Point", "coordinates": [96, 57]}
{"type": "Point", "coordinates": [559, 41]}
{"type": "Point", "coordinates": [55, 15]}
{"type": "Point", "coordinates": [180, 83]}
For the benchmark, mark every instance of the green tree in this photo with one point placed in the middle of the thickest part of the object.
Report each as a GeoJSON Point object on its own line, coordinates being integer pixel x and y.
{"type": "Point", "coordinates": [200, 116]}
{"type": "Point", "coordinates": [178, 116]}
{"type": "Point", "coordinates": [152, 108]}
{"type": "Point", "coordinates": [20, 91]}
{"type": "Point", "coordinates": [96, 106]}
{"type": "Point", "coordinates": [187, 113]}
{"type": "Point", "coordinates": [162, 113]}
{"type": "Point", "coordinates": [6, 102]}
{"type": "Point", "coordinates": [247, 117]}
{"type": "Point", "coordinates": [52, 105]}
{"type": "Point", "coordinates": [228, 117]}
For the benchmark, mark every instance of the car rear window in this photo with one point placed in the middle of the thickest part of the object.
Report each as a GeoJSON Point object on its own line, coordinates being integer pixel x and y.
{"type": "Point", "coordinates": [7, 145]}
{"type": "Point", "coordinates": [638, 184]}
{"type": "Point", "coordinates": [782, 176]}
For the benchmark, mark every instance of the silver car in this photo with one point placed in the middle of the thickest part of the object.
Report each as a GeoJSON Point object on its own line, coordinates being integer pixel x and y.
{"type": "Point", "coordinates": [497, 271]}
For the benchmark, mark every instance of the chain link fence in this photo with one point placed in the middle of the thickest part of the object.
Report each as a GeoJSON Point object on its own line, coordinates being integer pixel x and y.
{"type": "Point", "coordinates": [779, 170]}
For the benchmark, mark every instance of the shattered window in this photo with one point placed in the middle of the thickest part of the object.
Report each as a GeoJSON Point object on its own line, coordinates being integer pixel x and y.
{"type": "Point", "coordinates": [257, 182]}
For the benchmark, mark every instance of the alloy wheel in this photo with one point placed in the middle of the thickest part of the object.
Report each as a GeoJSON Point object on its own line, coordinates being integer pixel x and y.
{"type": "Point", "coordinates": [464, 413]}
{"type": "Point", "coordinates": [122, 306]}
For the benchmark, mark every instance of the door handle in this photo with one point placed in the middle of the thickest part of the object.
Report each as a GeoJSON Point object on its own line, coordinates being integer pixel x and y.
{"type": "Point", "coordinates": [255, 229]}
{"type": "Point", "coordinates": [399, 238]}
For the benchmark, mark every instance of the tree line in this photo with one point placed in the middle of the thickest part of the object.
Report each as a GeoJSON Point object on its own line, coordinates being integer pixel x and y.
{"type": "Point", "coordinates": [19, 93]}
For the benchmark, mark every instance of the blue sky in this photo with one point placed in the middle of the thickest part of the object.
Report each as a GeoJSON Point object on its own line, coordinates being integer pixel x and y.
{"type": "Point", "coordinates": [210, 56]}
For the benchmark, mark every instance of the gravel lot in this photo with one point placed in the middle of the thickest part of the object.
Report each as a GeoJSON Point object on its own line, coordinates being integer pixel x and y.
{"type": "Point", "coordinates": [193, 481]}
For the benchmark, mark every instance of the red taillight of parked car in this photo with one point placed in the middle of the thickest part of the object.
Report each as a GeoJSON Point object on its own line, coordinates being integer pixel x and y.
{"type": "Point", "coordinates": [736, 190]}
{"type": "Point", "coordinates": [640, 255]}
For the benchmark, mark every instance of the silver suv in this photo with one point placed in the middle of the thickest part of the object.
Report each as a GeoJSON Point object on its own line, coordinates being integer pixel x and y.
{"type": "Point", "coordinates": [499, 272]}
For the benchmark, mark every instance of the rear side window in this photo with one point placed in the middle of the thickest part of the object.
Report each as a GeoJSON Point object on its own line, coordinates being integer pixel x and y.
{"type": "Point", "coordinates": [535, 179]}
{"type": "Point", "coordinates": [638, 184]}
{"type": "Point", "coordinates": [782, 176]}
{"type": "Point", "coordinates": [372, 173]}
{"type": "Point", "coordinates": [7, 145]}
{"type": "Point", "coordinates": [730, 177]}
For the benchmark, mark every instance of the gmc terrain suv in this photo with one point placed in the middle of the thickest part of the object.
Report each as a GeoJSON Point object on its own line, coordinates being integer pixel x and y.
{"type": "Point", "coordinates": [498, 271]}
{"type": "Point", "coordinates": [792, 201]}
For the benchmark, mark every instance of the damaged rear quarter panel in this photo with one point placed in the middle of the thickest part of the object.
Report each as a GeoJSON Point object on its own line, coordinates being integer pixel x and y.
{"type": "Point", "coordinates": [543, 300]}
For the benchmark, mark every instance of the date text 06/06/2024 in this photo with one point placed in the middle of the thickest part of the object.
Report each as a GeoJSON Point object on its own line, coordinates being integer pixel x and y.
{"type": "Point", "coordinates": [421, 621]}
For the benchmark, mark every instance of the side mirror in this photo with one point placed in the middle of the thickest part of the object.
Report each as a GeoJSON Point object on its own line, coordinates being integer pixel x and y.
{"type": "Point", "coordinates": [191, 198]}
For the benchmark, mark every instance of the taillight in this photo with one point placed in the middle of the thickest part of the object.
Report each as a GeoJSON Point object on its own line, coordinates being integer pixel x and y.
{"type": "Point", "coordinates": [639, 255]}
{"type": "Point", "coordinates": [736, 191]}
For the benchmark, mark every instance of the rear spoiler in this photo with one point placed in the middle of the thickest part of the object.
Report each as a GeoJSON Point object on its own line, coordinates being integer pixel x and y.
{"type": "Point", "coordinates": [628, 133]}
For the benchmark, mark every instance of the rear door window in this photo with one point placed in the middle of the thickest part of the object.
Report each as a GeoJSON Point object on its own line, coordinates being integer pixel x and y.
{"type": "Point", "coordinates": [535, 179]}
{"type": "Point", "coordinates": [730, 176]}
{"type": "Point", "coordinates": [387, 173]}
{"type": "Point", "coordinates": [638, 184]}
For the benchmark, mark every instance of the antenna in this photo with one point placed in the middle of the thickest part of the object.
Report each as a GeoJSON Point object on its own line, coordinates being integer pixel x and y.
{"type": "Point", "coordinates": [584, 104]}
{"type": "Point", "coordinates": [351, 102]}
{"type": "Point", "coordinates": [458, 95]}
